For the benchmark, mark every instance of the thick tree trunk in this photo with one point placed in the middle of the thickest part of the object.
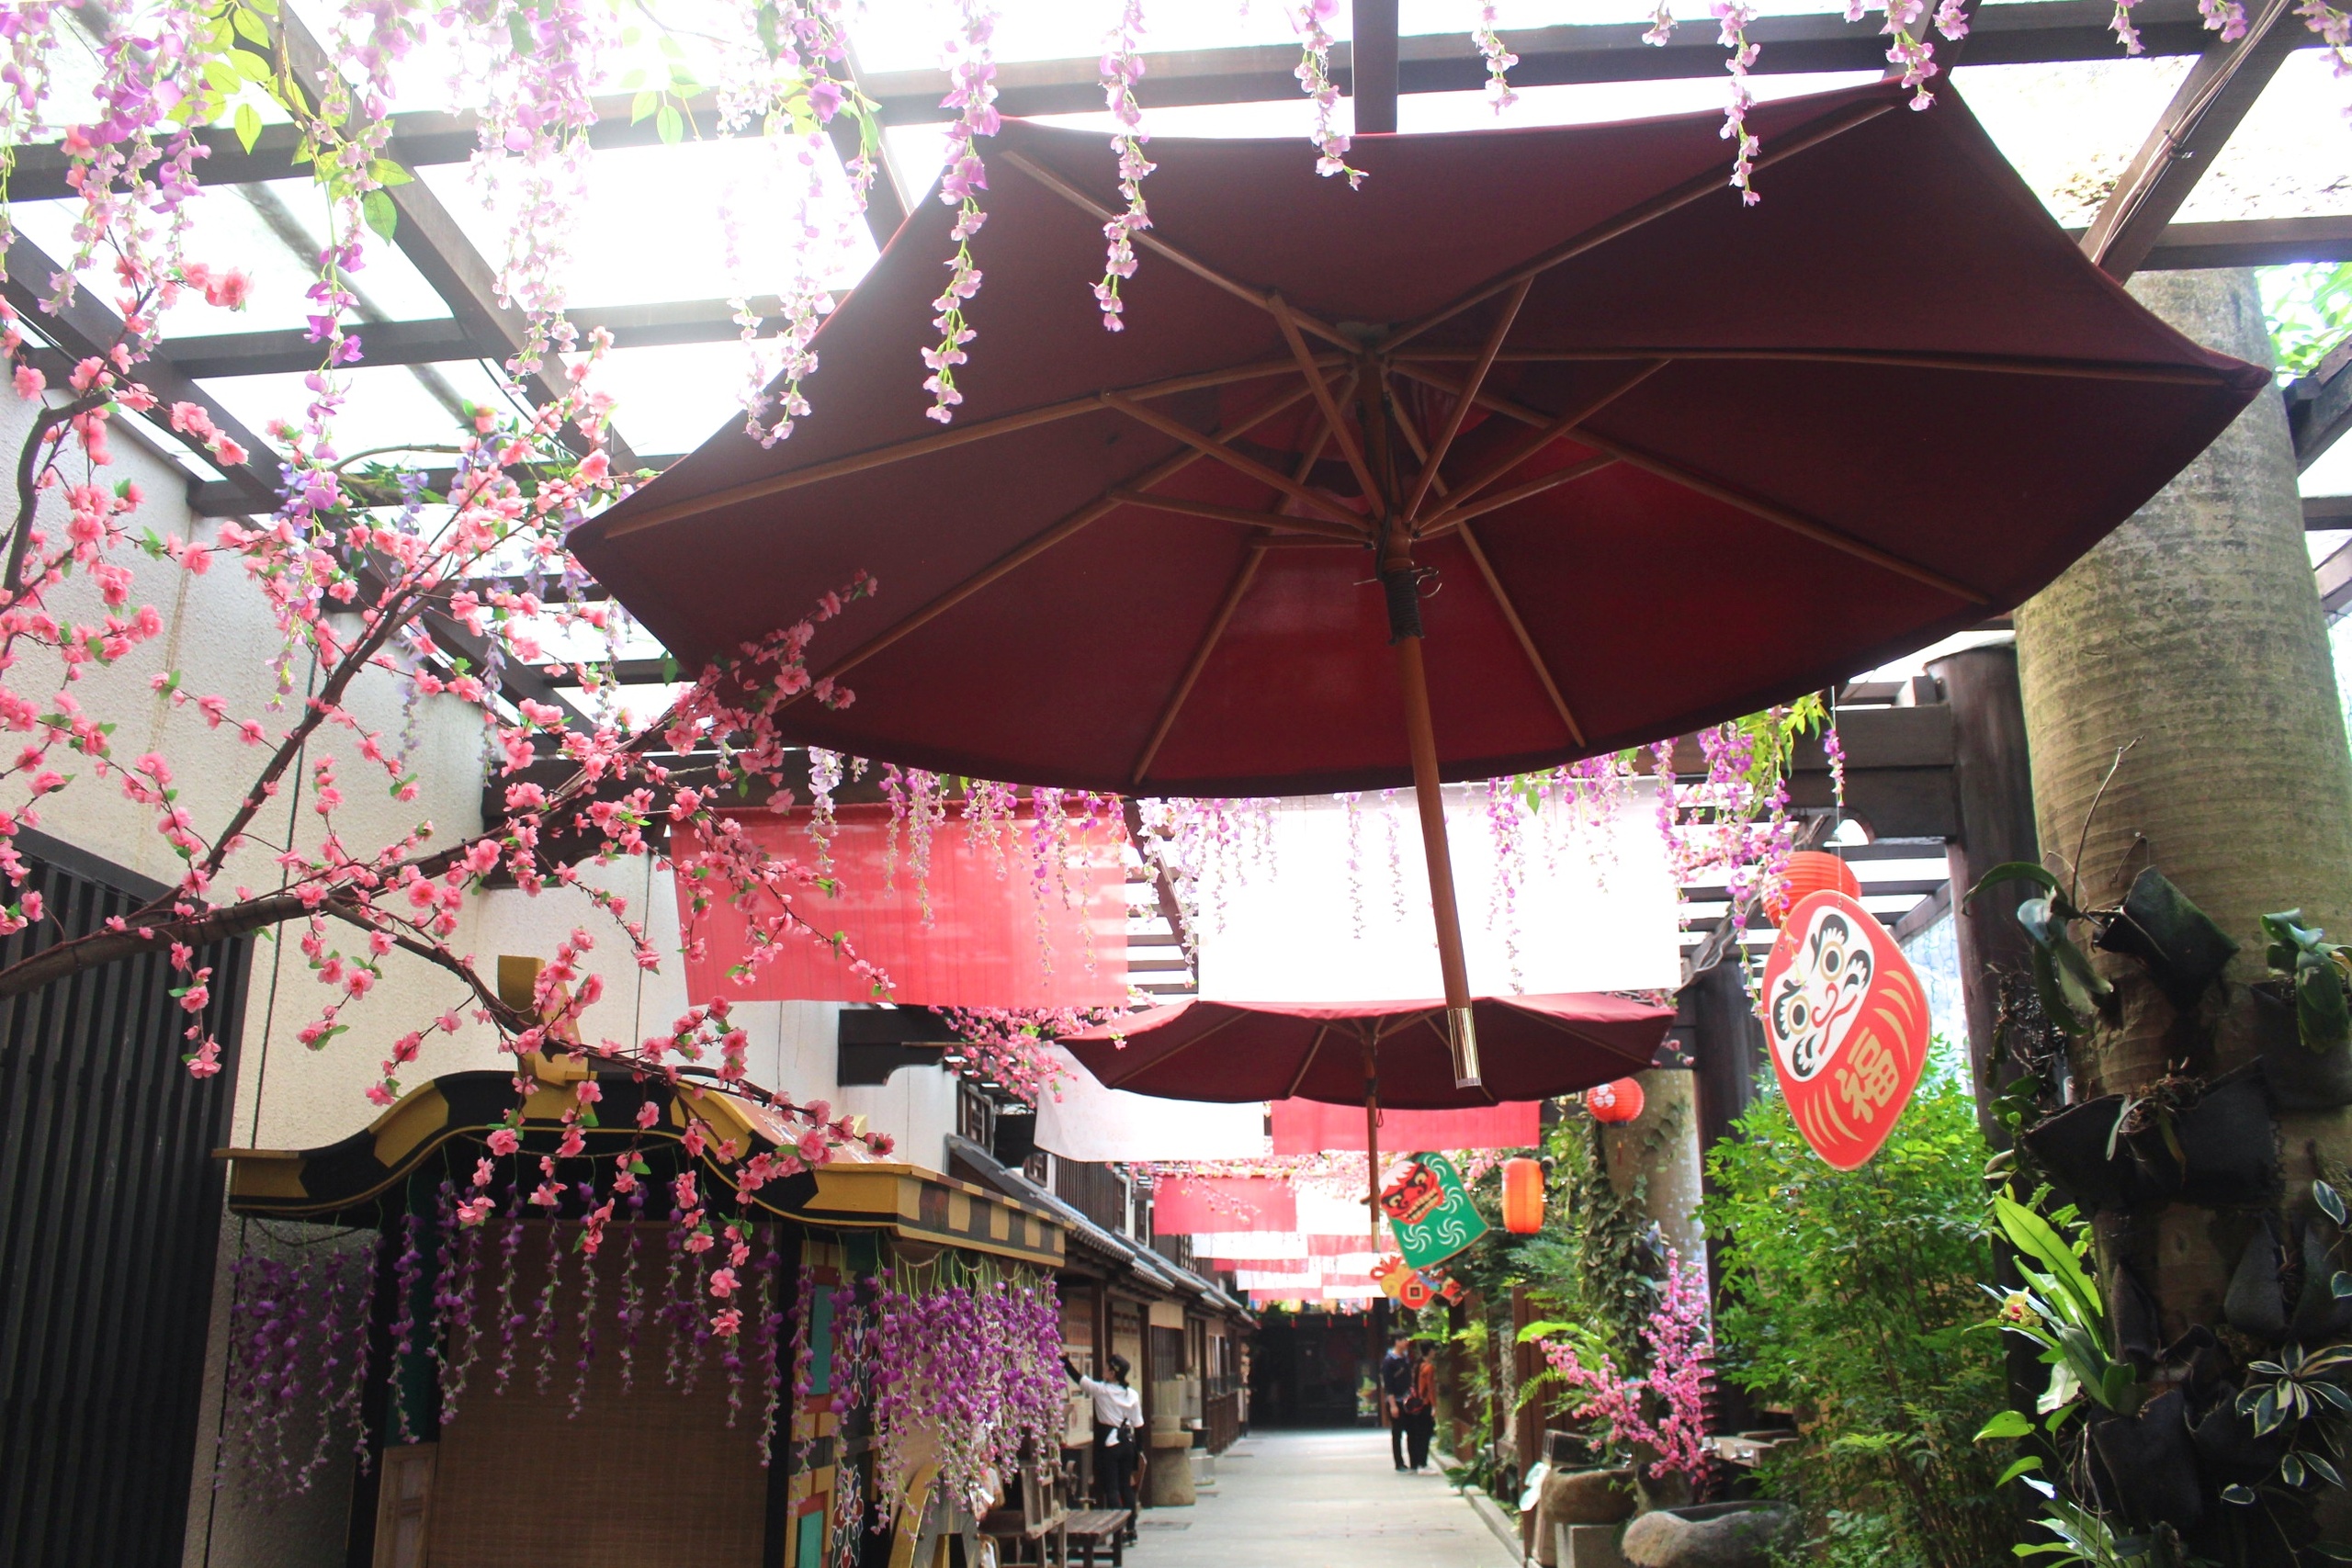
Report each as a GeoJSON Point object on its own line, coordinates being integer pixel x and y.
{"type": "Point", "coordinates": [2194, 635]}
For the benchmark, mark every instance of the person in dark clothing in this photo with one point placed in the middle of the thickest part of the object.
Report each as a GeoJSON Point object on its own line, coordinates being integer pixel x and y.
{"type": "Point", "coordinates": [1396, 1382]}
{"type": "Point", "coordinates": [1420, 1409]}
{"type": "Point", "coordinates": [1118, 1423]}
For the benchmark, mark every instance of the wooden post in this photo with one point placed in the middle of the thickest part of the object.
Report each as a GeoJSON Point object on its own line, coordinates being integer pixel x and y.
{"type": "Point", "coordinates": [1993, 781]}
{"type": "Point", "coordinates": [1371, 1141]}
{"type": "Point", "coordinates": [1727, 1054]}
{"type": "Point", "coordinates": [1372, 85]}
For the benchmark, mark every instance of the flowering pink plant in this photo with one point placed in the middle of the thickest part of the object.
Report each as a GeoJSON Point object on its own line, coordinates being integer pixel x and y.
{"type": "Point", "coordinates": [1666, 1410]}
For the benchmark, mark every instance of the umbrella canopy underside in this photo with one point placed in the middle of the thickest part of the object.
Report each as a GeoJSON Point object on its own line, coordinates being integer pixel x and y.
{"type": "Point", "coordinates": [1533, 1047]}
{"type": "Point", "coordinates": [1712, 456]}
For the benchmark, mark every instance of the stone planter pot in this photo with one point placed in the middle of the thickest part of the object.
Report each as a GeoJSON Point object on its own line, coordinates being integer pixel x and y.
{"type": "Point", "coordinates": [1713, 1535]}
{"type": "Point", "coordinates": [1579, 1497]}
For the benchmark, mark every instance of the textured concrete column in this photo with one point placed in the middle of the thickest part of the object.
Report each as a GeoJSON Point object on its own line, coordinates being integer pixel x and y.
{"type": "Point", "coordinates": [2194, 634]}
{"type": "Point", "coordinates": [1660, 1148]}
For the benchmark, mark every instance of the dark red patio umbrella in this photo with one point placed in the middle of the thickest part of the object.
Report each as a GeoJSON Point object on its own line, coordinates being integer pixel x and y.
{"type": "Point", "coordinates": [1631, 458]}
{"type": "Point", "coordinates": [1397, 1054]}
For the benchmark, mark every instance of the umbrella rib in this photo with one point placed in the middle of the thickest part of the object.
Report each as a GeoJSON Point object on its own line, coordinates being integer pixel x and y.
{"type": "Point", "coordinates": [1281, 521]}
{"type": "Point", "coordinates": [1146, 237]}
{"type": "Point", "coordinates": [881, 457]}
{"type": "Point", "coordinates": [1036, 544]}
{"type": "Point", "coordinates": [1210, 447]}
{"type": "Point", "coordinates": [1287, 319]}
{"type": "Point", "coordinates": [1445, 442]}
{"type": "Point", "coordinates": [1801, 139]}
{"type": "Point", "coordinates": [1242, 578]}
{"type": "Point", "coordinates": [1299, 1077]}
{"type": "Point", "coordinates": [1175, 1051]}
{"type": "Point", "coordinates": [1519, 629]}
{"type": "Point", "coordinates": [1549, 431]}
{"type": "Point", "coordinates": [1443, 523]}
{"type": "Point", "coordinates": [1175, 704]}
{"type": "Point", "coordinates": [1795, 521]}
{"type": "Point", "coordinates": [1986, 363]}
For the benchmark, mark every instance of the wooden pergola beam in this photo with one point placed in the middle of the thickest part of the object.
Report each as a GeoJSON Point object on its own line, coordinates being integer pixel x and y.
{"type": "Point", "coordinates": [2187, 137]}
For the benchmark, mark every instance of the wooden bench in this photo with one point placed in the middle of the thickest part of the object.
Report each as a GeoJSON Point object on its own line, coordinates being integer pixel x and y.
{"type": "Point", "coordinates": [1097, 1528]}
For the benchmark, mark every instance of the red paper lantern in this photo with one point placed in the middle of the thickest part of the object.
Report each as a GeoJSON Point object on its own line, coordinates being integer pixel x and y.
{"type": "Point", "coordinates": [1522, 1197]}
{"type": "Point", "coordinates": [1810, 871]}
{"type": "Point", "coordinates": [1619, 1101]}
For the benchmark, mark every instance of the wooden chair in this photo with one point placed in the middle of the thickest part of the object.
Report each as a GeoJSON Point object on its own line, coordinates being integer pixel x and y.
{"type": "Point", "coordinates": [1041, 1522]}
{"type": "Point", "coordinates": [1095, 1528]}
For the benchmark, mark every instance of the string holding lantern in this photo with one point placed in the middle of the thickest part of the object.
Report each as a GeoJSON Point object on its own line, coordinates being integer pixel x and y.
{"type": "Point", "coordinates": [1614, 1102]}
{"type": "Point", "coordinates": [1809, 872]}
{"type": "Point", "coordinates": [1522, 1196]}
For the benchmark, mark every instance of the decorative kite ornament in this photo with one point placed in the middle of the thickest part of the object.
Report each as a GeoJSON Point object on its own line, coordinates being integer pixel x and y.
{"type": "Point", "coordinates": [1429, 1211]}
{"type": "Point", "coordinates": [1614, 1102]}
{"type": "Point", "coordinates": [1402, 1284]}
{"type": "Point", "coordinates": [1522, 1196]}
{"type": "Point", "coordinates": [1848, 1023]}
{"type": "Point", "coordinates": [1809, 872]}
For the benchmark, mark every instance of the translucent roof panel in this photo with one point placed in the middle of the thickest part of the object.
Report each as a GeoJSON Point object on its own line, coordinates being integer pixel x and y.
{"type": "Point", "coordinates": [388, 405]}
{"type": "Point", "coordinates": [673, 398]}
{"type": "Point", "coordinates": [2292, 157]}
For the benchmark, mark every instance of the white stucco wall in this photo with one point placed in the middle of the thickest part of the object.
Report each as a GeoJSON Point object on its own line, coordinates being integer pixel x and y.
{"type": "Point", "coordinates": [219, 635]}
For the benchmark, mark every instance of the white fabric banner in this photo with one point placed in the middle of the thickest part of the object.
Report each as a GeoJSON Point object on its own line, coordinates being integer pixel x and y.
{"type": "Point", "coordinates": [1080, 1120]}
{"type": "Point", "coordinates": [1314, 908]}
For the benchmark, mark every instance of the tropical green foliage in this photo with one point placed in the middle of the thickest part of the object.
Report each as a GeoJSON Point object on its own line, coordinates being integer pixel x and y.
{"type": "Point", "coordinates": [1850, 1298]}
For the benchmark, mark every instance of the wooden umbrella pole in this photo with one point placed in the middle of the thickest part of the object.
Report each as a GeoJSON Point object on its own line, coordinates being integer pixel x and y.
{"type": "Point", "coordinates": [1372, 1143]}
{"type": "Point", "coordinates": [1421, 738]}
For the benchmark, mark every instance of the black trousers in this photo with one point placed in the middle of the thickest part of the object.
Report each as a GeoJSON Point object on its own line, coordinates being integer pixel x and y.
{"type": "Point", "coordinates": [1419, 1425]}
{"type": "Point", "coordinates": [1396, 1419]}
{"type": "Point", "coordinates": [1114, 1468]}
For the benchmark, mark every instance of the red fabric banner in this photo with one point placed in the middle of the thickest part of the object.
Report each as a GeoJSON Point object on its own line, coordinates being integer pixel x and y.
{"type": "Point", "coordinates": [1309, 1126]}
{"type": "Point", "coordinates": [1186, 1205]}
{"type": "Point", "coordinates": [1002, 931]}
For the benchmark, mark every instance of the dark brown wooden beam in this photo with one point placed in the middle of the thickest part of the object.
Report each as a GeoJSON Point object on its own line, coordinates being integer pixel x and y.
{"type": "Point", "coordinates": [446, 338]}
{"type": "Point", "coordinates": [2322, 512]}
{"type": "Point", "coordinates": [2253, 242]}
{"type": "Point", "coordinates": [2187, 137]}
{"type": "Point", "coordinates": [1373, 81]}
{"type": "Point", "coordinates": [2319, 408]}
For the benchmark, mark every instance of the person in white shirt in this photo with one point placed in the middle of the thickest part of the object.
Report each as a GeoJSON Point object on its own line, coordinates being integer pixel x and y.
{"type": "Point", "coordinates": [1118, 1421]}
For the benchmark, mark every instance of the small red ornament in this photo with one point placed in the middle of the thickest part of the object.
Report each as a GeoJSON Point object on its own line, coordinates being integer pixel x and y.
{"type": "Point", "coordinates": [1810, 872]}
{"type": "Point", "coordinates": [1522, 1196]}
{"type": "Point", "coordinates": [1848, 1023]}
{"type": "Point", "coordinates": [1612, 1102]}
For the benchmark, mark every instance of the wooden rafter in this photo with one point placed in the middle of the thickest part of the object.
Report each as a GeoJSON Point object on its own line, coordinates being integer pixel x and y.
{"type": "Point", "coordinates": [1287, 319]}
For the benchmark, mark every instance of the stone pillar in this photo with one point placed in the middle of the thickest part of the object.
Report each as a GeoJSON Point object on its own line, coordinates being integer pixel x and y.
{"type": "Point", "coordinates": [2194, 635]}
{"type": "Point", "coordinates": [1660, 1148]}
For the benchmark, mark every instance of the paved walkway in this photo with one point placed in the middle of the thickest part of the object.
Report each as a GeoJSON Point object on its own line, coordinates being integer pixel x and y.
{"type": "Point", "coordinates": [1318, 1500]}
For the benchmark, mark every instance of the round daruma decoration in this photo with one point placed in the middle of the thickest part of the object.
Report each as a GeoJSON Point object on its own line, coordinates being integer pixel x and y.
{"type": "Point", "coordinates": [1848, 1023]}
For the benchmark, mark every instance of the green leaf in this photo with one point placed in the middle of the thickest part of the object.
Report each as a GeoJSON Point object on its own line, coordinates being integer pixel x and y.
{"type": "Point", "coordinates": [389, 172]}
{"type": "Point", "coordinates": [518, 32]}
{"type": "Point", "coordinates": [670, 125]}
{"type": "Point", "coordinates": [382, 215]}
{"type": "Point", "coordinates": [2030, 1462]}
{"type": "Point", "coordinates": [248, 125]}
{"type": "Point", "coordinates": [248, 26]}
{"type": "Point", "coordinates": [2331, 1203]}
{"type": "Point", "coordinates": [2291, 1470]}
{"type": "Point", "coordinates": [253, 65]}
{"type": "Point", "coordinates": [644, 104]}
{"type": "Point", "coordinates": [2320, 1011]}
{"type": "Point", "coordinates": [2013, 871]}
{"type": "Point", "coordinates": [2031, 1235]}
{"type": "Point", "coordinates": [2008, 1424]}
{"type": "Point", "coordinates": [2238, 1493]}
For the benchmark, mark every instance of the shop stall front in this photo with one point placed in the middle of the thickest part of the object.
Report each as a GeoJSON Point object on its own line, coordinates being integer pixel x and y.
{"type": "Point", "coordinates": [518, 1339]}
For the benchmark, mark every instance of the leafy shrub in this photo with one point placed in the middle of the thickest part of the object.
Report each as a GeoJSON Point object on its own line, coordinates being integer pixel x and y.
{"type": "Point", "coordinates": [1849, 1298]}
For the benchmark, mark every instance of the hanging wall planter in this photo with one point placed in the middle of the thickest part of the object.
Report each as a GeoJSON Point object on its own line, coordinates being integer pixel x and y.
{"type": "Point", "coordinates": [2299, 1078]}
{"type": "Point", "coordinates": [2146, 1465]}
{"type": "Point", "coordinates": [2228, 1143]}
{"type": "Point", "coordinates": [2182, 949]}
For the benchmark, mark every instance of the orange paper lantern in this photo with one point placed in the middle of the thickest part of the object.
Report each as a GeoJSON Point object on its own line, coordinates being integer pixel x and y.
{"type": "Point", "coordinates": [1619, 1101]}
{"type": "Point", "coordinates": [1522, 1197]}
{"type": "Point", "coordinates": [1810, 871]}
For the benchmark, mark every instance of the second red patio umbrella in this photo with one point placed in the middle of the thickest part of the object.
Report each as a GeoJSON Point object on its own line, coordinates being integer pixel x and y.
{"type": "Point", "coordinates": [1670, 459]}
{"type": "Point", "coordinates": [1397, 1054]}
